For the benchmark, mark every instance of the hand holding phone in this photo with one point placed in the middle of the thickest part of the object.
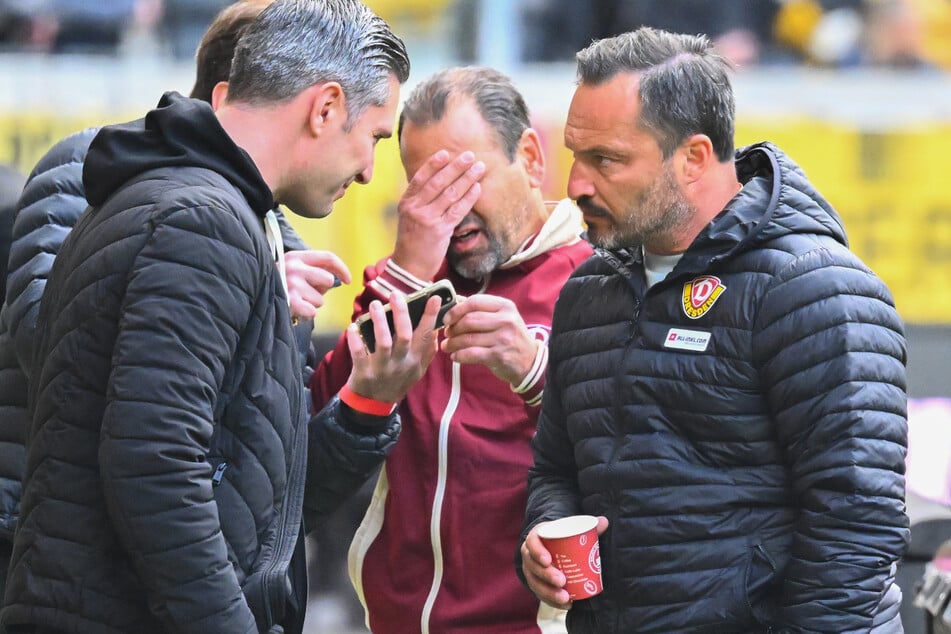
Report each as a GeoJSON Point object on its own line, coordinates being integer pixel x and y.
{"type": "Point", "coordinates": [416, 305]}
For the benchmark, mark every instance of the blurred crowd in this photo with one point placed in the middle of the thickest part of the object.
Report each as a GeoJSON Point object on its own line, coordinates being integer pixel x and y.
{"type": "Point", "coordinates": [105, 26]}
{"type": "Point", "coordinates": [826, 33]}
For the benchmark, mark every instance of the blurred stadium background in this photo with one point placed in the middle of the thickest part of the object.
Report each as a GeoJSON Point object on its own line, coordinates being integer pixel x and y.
{"type": "Point", "coordinates": [857, 91]}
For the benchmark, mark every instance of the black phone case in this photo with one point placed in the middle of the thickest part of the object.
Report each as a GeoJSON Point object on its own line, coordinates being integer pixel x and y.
{"type": "Point", "coordinates": [416, 304]}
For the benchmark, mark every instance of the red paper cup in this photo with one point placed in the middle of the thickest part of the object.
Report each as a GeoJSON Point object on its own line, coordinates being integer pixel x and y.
{"type": "Point", "coordinates": [573, 544]}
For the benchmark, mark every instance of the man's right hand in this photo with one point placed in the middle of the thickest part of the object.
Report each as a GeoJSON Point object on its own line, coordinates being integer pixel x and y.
{"type": "Point", "coordinates": [310, 274]}
{"type": "Point", "coordinates": [437, 198]}
{"type": "Point", "coordinates": [546, 581]}
{"type": "Point", "coordinates": [399, 359]}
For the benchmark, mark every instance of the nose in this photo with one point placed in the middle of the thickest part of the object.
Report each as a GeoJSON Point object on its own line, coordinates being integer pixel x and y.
{"type": "Point", "coordinates": [365, 174]}
{"type": "Point", "coordinates": [578, 182]}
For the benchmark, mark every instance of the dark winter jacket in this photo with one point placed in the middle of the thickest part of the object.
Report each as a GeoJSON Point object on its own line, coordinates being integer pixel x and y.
{"type": "Point", "coordinates": [741, 424]}
{"type": "Point", "coordinates": [165, 473]}
{"type": "Point", "coordinates": [51, 204]}
{"type": "Point", "coordinates": [11, 183]}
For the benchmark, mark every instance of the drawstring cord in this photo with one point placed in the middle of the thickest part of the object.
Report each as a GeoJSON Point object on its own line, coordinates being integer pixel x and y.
{"type": "Point", "coordinates": [273, 231]}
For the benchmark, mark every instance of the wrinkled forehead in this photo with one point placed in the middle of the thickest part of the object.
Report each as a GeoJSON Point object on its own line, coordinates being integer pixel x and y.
{"type": "Point", "coordinates": [604, 112]}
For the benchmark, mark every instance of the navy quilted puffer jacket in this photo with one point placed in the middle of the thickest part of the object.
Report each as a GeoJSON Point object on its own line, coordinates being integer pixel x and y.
{"type": "Point", "coordinates": [742, 425]}
{"type": "Point", "coordinates": [47, 210]}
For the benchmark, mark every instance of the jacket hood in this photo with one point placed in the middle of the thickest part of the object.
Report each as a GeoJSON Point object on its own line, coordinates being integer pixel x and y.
{"type": "Point", "coordinates": [179, 132]}
{"type": "Point", "coordinates": [564, 226]}
{"type": "Point", "coordinates": [776, 200]}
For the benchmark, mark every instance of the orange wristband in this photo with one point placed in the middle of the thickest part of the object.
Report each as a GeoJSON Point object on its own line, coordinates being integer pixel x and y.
{"type": "Point", "coordinates": [365, 405]}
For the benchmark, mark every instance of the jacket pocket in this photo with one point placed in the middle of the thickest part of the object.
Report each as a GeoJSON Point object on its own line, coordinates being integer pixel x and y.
{"type": "Point", "coordinates": [760, 580]}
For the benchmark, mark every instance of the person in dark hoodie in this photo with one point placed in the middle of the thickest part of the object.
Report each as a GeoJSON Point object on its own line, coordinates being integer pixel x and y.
{"type": "Point", "coordinates": [171, 465]}
{"type": "Point", "coordinates": [734, 411]}
{"type": "Point", "coordinates": [51, 203]}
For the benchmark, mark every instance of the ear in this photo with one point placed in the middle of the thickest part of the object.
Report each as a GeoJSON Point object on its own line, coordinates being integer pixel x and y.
{"type": "Point", "coordinates": [328, 107]}
{"type": "Point", "coordinates": [530, 153]}
{"type": "Point", "coordinates": [695, 156]}
{"type": "Point", "coordinates": [219, 94]}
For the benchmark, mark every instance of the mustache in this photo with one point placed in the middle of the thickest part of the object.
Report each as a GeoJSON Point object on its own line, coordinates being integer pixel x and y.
{"type": "Point", "coordinates": [587, 205]}
{"type": "Point", "coordinates": [472, 218]}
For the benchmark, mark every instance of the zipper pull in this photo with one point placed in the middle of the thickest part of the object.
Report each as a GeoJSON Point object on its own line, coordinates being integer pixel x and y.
{"type": "Point", "coordinates": [219, 474]}
{"type": "Point", "coordinates": [635, 315]}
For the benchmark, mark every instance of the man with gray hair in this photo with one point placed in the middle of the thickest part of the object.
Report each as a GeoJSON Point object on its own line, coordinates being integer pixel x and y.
{"type": "Point", "coordinates": [434, 552]}
{"type": "Point", "coordinates": [170, 462]}
{"type": "Point", "coordinates": [733, 412]}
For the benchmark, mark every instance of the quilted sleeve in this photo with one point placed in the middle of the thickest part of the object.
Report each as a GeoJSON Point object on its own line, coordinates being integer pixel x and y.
{"type": "Point", "coordinates": [344, 450]}
{"type": "Point", "coordinates": [830, 347]}
{"type": "Point", "coordinates": [48, 206]}
{"type": "Point", "coordinates": [52, 201]}
{"type": "Point", "coordinates": [552, 479]}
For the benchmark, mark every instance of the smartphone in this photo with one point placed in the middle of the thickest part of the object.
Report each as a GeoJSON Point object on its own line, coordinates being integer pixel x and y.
{"type": "Point", "coordinates": [416, 303]}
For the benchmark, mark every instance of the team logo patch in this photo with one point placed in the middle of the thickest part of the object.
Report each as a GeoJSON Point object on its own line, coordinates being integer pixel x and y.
{"type": "Point", "coordinates": [701, 294]}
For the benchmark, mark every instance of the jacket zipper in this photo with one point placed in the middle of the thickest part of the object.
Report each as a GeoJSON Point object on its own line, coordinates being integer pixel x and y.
{"type": "Point", "coordinates": [219, 474]}
{"type": "Point", "coordinates": [435, 522]}
{"type": "Point", "coordinates": [275, 571]}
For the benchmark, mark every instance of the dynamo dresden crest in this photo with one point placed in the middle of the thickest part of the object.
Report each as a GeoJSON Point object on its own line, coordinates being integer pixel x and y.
{"type": "Point", "coordinates": [700, 294]}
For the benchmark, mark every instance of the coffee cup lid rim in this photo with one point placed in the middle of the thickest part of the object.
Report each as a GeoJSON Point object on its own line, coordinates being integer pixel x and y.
{"type": "Point", "coordinates": [567, 526]}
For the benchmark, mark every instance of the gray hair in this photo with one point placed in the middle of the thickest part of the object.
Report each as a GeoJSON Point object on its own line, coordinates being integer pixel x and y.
{"type": "Point", "coordinates": [684, 84]}
{"type": "Point", "coordinates": [295, 44]}
{"type": "Point", "coordinates": [496, 98]}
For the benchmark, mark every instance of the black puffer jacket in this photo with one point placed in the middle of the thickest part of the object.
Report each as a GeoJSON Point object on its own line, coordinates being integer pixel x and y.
{"type": "Point", "coordinates": [11, 184]}
{"type": "Point", "coordinates": [50, 205]}
{"type": "Point", "coordinates": [48, 208]}
{"type": "Point", "coordinates": [751, 468]}
{"type": "Point", "coordinates": [165, 475]}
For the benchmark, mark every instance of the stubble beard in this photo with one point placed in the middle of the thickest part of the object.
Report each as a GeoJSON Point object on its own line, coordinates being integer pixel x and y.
{"type": "Point", "coordinates": [475, 266]}
{"type": "Point", "coordinates": [654, 219]}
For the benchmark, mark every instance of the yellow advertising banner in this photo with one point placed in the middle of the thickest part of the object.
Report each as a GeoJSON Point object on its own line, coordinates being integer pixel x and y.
{"type": "Point", "coordinates": [888, 186]}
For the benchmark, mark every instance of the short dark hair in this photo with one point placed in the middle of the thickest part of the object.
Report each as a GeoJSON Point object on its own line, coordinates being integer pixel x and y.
{"type": "Point", "coordinates": [216, 50]}
{"type": "Point", "coordinates": [295, 44]}
{"type": "Point", "coordinates": [684, 84]}
{"type": "Point", "coordinates": [494, 95]}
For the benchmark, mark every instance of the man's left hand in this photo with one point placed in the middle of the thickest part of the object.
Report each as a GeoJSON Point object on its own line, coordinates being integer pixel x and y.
{"type": "Point", "coordinates": [489, 330]}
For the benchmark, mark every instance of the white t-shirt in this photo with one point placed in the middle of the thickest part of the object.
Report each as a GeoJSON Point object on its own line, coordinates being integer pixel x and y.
{"type": "Point", "coordinates": [656, 267]}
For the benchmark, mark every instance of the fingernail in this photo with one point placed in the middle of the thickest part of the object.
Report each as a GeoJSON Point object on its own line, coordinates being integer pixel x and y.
{"type": "Point", "coordinates": [467, 156]}
{"type": "Point", "coordinates": [478, 168]}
